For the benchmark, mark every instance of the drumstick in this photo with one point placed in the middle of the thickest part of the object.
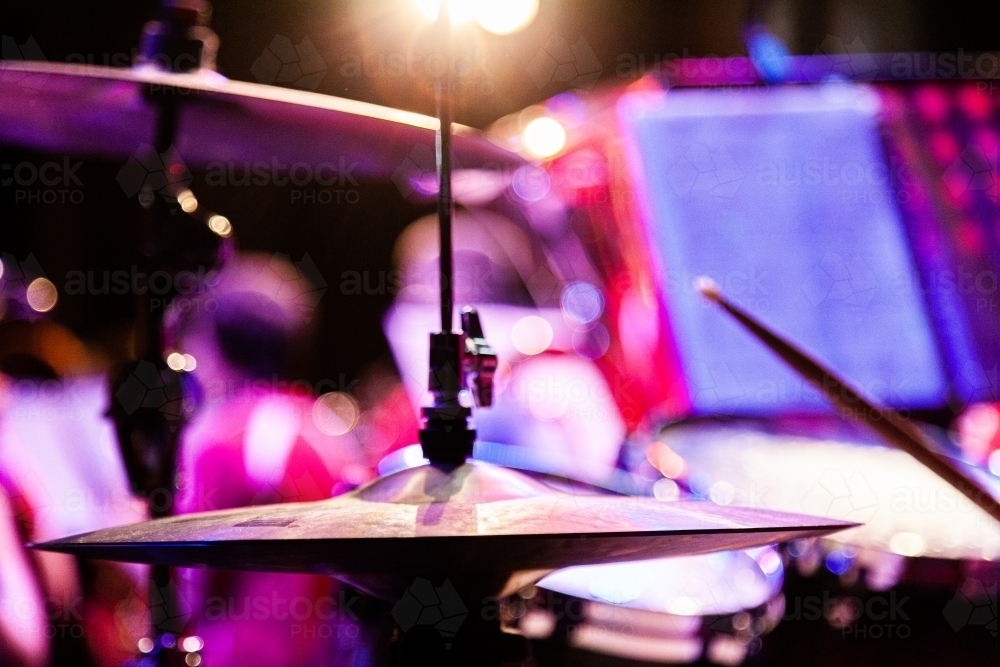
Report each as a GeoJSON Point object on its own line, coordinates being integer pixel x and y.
{"type": "Point", "coordinates": [888, 423]}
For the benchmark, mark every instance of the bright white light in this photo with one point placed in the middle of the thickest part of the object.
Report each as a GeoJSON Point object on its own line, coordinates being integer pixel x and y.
{"type": "Point", "coordinates": [531, 335]}
{"type": "Point", "coordinates": [176, 361]}
{"type": "Point", "coordinates": [192, 644]}
{"type": "Point", "coordinates": [188, 202]}
{"type": "Point", "coordinates": [220, 225]}
{"type": "Point", "coordinates": [544, 137]}
{"type": "Point", "coordinates": [666, 490]}
{"type": "Point", "coordinates": [507, 16]}
{"type": "Point", "coordinates": [190, 363]}
{"type": "Point", "coordinates": [907, 544]}
{"type": "Point", "coordinates": [684, 606]}
{"type": "Point", "coordinates": [994, 463]}
{"type": "Point", "coordinates": [461, 11]}
{"type": "Point", "coordinates": [42, 295]}
{"type": "Point", "coordinates": [146, 645]}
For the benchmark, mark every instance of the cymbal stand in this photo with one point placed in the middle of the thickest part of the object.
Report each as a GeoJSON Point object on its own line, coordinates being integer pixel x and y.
{"type": "Point", "coordinates": [149, 433]}
{"type": "Point", "coordinates": [457, 360]}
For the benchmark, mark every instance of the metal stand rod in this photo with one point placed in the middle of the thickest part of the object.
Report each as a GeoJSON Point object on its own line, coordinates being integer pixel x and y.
{"type": "Point", "coordinates": [442, 142]}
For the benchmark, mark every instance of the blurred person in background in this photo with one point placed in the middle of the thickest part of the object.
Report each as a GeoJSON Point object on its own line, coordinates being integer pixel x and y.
{"type": "Point", "coordinates": [255, 441]}
{"type": "Point", "coordinates": [65, 476]}
{"type": "Point", "coordinates": [23, 641]}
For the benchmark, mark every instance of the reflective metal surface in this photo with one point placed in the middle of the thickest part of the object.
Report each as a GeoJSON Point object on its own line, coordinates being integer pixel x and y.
{"type": "Point", "coordinates": [86, 110]}
{"type": "Point", "coordinates": [477, 518]}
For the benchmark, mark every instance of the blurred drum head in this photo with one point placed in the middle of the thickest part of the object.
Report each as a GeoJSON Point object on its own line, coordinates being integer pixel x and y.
{"type": "Point", "coordinates": [905, 509]}
{"type": "Point", "coordinates": [713, 584]}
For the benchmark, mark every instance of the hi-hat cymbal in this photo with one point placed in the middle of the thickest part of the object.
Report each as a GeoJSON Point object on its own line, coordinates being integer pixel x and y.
{"type": "Point", "coordinates": [107, 112]}
{"type": "Point", "coordinates": [477, 518]}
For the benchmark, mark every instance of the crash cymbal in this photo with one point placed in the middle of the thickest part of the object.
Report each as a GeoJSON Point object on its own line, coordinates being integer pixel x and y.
{"type": "Point", "coordinates": [476, 518]}
{"type": "Point", "coordinates": [106, 112]}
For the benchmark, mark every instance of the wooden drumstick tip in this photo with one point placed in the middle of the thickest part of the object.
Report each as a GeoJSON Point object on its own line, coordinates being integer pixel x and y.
{"type": "Point", "coordinates": [708, 288]}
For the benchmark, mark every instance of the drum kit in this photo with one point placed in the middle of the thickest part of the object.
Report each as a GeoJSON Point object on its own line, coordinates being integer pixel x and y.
{"type": "Point", "coordinates": [481, 530]}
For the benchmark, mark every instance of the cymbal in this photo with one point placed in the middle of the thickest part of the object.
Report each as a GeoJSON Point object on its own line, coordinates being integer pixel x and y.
{"type": "Point", "coordinates": [711, 584]}
{"type": "Point", "coordinates": [902, 506]}
{"type": "Point", "coordinates": [470, 520]}
{"type": "Point", "coordinates": [105, 112]}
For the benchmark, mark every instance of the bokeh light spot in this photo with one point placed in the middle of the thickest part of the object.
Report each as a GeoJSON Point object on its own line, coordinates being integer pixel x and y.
{"type": "Point", "coordinates": [907, 544]}
{"type": "Point", "coordinates": [544, 137]}
{"type": "Point", "coordinates": [582, 302]}
{"type": "Point", "coordinates": [506, 16]}
{"type": "Point", "coordinates": [175, 361]}
{"type": "Point", "coordinates": [42, 295]}
{"type": "Point", "coordinates": [531, 335]}
{"type": "Point", "coordinates": [220, 225]}
{"type": "Point", "coordinates": [336, 413]}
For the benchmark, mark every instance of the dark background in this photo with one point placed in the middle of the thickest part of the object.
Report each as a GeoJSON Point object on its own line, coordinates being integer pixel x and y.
{"type": "Point", "coordinates": [624, 35]}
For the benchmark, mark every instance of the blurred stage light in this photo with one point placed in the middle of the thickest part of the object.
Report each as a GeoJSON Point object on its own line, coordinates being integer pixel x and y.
{"type": "Point", "coordinates": [187, 201]}
{"type": "Point", "coordinates": [42, 295]}
{"type": "Point", "coordinates": [505, 18]}
{"type": "Point", "coordinates": [461, 11]}
{"type": "Point", "coordinates": [176, 361]}
{"type": "Point", "coordinates": [907, 544]}
{"type": "Point", "coordinates": [544, 137]}
{"type": "Point", "coordinates": [531, 335]}
{"type": "Point", "coordinates": [501, 17]}
{"type": "Point", "coordinates": [220, 225]}
{"type": "Point", "coordinates": [192, 644]}
{"type": "Point", "coordinates": [336, 413]}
